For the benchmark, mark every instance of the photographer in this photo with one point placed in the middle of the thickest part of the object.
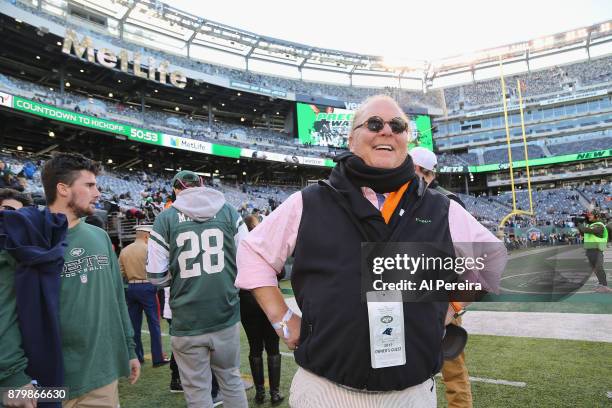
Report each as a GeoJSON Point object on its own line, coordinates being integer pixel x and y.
{"type": "Point", "coordinates": [595, 242]}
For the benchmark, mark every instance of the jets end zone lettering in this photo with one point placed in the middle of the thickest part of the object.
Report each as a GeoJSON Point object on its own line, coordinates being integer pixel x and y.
{"type": "Point", "coordinates": [453, 169]}
{"type": "Point", "coordinates": [107, 58]}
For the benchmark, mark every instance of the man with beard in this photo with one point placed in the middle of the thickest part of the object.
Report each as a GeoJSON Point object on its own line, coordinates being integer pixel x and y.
{"type": "Point", "coordinates": [64, 318]}
{"type": "Point", "coordinates": [372, 195]}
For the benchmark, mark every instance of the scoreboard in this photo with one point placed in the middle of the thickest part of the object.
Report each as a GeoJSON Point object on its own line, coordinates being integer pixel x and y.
{"type": "Point", "coordinates": [322, 125]}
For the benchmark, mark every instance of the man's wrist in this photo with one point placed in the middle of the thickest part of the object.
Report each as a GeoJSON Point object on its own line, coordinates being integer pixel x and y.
{"type": "Point", "coordinates": [283, 324]}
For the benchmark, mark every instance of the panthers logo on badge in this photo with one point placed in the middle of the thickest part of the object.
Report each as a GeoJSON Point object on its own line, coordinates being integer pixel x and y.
{"type": "Point", "coordinates": [83, 278]}
{"type": "Point", "coordinates": [77, 252]}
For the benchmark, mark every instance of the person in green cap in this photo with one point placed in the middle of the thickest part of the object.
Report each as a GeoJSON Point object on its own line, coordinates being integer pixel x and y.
{"type": "Point", "coordinates": [192, 249]}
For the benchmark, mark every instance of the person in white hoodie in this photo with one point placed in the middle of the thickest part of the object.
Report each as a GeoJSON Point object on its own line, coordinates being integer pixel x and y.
{"type": "Point", "coordinates": [192, 249]}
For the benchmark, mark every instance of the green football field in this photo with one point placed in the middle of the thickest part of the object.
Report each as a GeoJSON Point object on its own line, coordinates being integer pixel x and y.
{"type": "Point", "coordinates": [542, 373]}
{"type": "Point", "coordinates": [508, 371]}
{"type": "Point", "coordinates": [526, 283]}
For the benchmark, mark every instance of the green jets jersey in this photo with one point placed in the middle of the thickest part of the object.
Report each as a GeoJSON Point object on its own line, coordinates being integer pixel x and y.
{"type": "Point", "coordinates": [201, 267]}
{"type": "Point", "coordinates": [96, 331]}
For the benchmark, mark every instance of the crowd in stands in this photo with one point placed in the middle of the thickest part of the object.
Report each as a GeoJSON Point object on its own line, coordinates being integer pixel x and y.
{"type": "Point", "coordinates": [598, 196]}
{"type": "Point", "coordinates": [457, 159]}
{"type": "Point", "coordinates": [500, 155]}
{"type": "Point", "coordinates": [549, 81]}
{"type": "Point", "coordinates": [176, 124]}
{"type": "Point", "coordinates": [553, 81]}
{"type": "Point", "coordinates": [142, 194]}
{"type": "Point", "coordinates": [514, 242]}
{"type": "Point", "coordinates": [562, 171]}
{"type": "Point", "coordinates": [580, 146]}
{"type": "Point", "coordinates": [596, 72]}
{"type": "Point", "coordinates": [314, 89]}
{"type": "Point", "coordinates": [148, 194]}
{"type": "Point", "coordinates": [551, 207]}
{"type": "Point", "coordinates": [268, 140]}
{"type": "Point", "coordinates": [556, 146]}
{"type": "Point", "coordinates": [20, 175]}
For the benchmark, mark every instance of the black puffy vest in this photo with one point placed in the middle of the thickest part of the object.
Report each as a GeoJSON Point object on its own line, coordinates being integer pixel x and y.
{"type": "Point", "coordinates": [334, 339]}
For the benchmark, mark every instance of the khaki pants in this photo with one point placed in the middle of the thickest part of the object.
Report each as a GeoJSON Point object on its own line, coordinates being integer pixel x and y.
{"type": "Point", "coordinates": [311, 391]}
{"type": "Point", "coordinates": [103, 397]}
{"type": "Point", "coordinates": [457, 381]}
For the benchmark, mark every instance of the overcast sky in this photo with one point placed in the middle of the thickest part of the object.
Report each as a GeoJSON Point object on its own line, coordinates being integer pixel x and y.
{"type": "Point", "coordinates": [403, 29]}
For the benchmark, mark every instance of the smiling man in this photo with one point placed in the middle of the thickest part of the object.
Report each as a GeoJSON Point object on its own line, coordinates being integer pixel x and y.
{"type": "Point", "coordinates": [64, 318]}
{"type": "Point", "coordinates": [372, 195]}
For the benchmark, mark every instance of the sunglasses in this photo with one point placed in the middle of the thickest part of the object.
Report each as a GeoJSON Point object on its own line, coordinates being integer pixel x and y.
{"type": "Point", "coordinates": [7, 207]}
{"type": "Point", "coordinates": [376, 124]}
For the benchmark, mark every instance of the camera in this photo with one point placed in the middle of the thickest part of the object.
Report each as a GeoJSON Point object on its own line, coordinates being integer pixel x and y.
{"type": "Point", "coordinates": [579, 219]}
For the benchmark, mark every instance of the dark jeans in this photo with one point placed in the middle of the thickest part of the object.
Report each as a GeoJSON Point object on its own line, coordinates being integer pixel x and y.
{"type": "Point", "coordinates": [258, 329]}
{"type": "Point", "coordinates": [143, 297]}
{"type": "Point", "coordinates": [596, 258]}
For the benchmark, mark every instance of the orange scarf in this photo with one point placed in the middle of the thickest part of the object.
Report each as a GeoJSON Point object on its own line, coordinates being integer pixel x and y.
{"type": "Point", "coordinates": [392, 202]}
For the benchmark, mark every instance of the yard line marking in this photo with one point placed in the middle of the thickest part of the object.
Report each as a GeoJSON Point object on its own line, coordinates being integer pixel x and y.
{"type": "Point", "coordinates": [499, 382]}
{"type": "Point", "coordinates": [494, 381]}
{"type": "Point", "coordinates": [519, 384]}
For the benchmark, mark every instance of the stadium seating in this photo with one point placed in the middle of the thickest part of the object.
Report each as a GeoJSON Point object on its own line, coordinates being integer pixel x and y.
{"type": "Point", "coordinates": [500, 155]}
{"type": "Point", "coordinates": [331, 91]}
{"type": "Point", "coordinates": [580, 146]}
{"type": "Point", "coordinates": [547, 81]}
{"type": "Point", "coordinates": [598, 195]}
{"type": "Point", "coordinates": [179, 125]}
{"type": "Point", "coordinates": [457, 159]}
{"type": "Point", "coordinates": [127, 191]}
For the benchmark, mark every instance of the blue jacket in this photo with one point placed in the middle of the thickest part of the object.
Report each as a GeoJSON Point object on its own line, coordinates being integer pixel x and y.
{"type": "Point", "coordinates": [37, 241]}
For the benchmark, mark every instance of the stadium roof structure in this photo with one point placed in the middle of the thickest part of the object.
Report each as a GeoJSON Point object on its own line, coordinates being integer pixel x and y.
{"type": "Point", "coordinates": [160, 26]}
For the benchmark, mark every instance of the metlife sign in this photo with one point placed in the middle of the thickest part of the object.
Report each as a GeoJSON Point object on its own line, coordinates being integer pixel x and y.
{"type": "Point", "coordinates": [184, 143]}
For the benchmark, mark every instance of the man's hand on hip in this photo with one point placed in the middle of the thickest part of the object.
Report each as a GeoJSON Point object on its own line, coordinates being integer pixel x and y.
{"type": "Point", "coordinates": [294, 325]}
